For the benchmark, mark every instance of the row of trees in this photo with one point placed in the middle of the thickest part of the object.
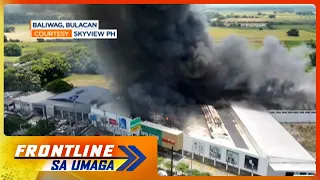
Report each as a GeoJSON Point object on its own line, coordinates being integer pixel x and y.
{"type": "Point", "coordinates": [10, 40]}
{"type": "Point", "coordinates": [8, 29]}
{"type": "Point", "coordinates": [20, 17]}
{"type": "Point", "coordinates": [305, 13]}
{"type": "Point", "coordinates": [219, 16]}
{"type": "Point", "coordinates": [12, 124]}
{"type": "Point", "coordinates": [21, 79]}
{"type": "Point", "coordinates": [42, 68]}
{"type": "Point", "coordinates": [312, 56]}
{"type": "Point", "coordinates": [41, 128]}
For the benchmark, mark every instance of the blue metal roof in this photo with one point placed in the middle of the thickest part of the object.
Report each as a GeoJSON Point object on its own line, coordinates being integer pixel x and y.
{"type": "Point", "coordinates": [83, 95]}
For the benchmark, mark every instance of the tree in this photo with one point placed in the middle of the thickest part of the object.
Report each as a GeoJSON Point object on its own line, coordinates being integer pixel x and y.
{"type": "Point", "coordinates": [272, 16]}
{"type": "Point", "coordinates": [81, 60]}
{"type": "Point", "coordinates": [312, 57]}
{"type": "Point", "coordinates": [50, 67]}
{"type": "Point", "coordinates": [182, 167]}
{"type": "Point", "coordinates": [26, 58]}
{"type": "Point", "coordinates": [12, 124]}
{"type": "Point", "coordinates": [205, 174]}
{"type": "Point", "coordinates": [305, 13]}
{"type": "Point", "coordinates": [160, 160]}
{"type": "Point", "coordinates": [31, 57]}
{"type": "Point", "coordinates": [196, 172]}
{"type": "Point", "coordinates": [233, 25]}
{"type": "Point", "coordinates": [40, 40]}
{"type": "Point", "coordinates": [167, 165]}
{"type": "Point", "coordinates": [312, 44]}
{"type": "Point", "coordinates": [269, 26]}
{"type": "Point", "coordinates": [5, 38]}
{"type": "Point", "coordinates": [21, 79]}
{"type": "Point", "coordinates": [59, 86]}
{"type": "Point", "coordinates": [12, 50]}
{"type": "Point", "coordinates": [217, 23]}
{"type": "Point", "coordinates": [26, 126]}
{"type": "Point", "coordinates": [41, 129]}
{"type": "Point", "coordinates": [8, 64]}
{"type": "Point", "coordinates": [293, 32]}
{"type": "Point", "coordinates": [8, 29]}
{"type": "Point", "coordinates": [14, 40]}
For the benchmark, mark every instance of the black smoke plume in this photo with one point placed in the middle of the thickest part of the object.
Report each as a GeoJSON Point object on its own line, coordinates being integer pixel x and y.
{"type": "Point", "coordinates": [164, 61]}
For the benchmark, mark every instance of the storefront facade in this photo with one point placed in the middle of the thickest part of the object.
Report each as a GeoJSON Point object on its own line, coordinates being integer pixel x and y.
{"type": "Point", "coordinates": [149, 131]}
{"type": "Point", "coordinates": [175, 140]}
{"type": "Point", "coordinates": [165, 138]}
{"type": "Point", "coordinates": [118, 125]}
{"type": "Point", "coordinates": [135, 126]}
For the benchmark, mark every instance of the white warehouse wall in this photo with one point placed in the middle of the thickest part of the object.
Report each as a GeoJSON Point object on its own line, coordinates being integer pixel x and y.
{"type": "Point", "coordinates": [294, 116]}
{"type": "Point", "coordinates": [262, 164]}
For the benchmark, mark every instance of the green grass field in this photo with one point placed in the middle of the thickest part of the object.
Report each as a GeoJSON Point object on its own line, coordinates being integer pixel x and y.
{"type": "Point", "coordinates": [305, 22]}
{"type": "Point", "coordinates": [88, 80]}
{"type": "Point", "coordinates": [279, 16]}
{"type": "Point", "coordinates": [11, 58]}
{"type": "Point", "coordinates": [30, 47]}
{"type": "Point", "coordinates": [21, 32]}
{"type": "Point", "coordinates": [21, 26]}
{"type": "Point", "coordinates": [302, 27]}
{"type": "Point", "coordinates": [255, 35]}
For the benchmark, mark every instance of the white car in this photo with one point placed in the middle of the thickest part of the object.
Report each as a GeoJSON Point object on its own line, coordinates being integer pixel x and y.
{"type": "Point", "coordinates": [162, 173]}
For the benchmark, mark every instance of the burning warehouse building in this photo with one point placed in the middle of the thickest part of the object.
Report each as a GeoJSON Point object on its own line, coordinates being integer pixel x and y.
{"type": "Point", "coordinates": [176, 65]}
{"type": "Point", "coordinates": [166, 63]}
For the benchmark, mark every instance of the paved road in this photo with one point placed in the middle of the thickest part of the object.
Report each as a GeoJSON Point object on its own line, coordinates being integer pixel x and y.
{"type": "Point", "coordinates": [228, 118]}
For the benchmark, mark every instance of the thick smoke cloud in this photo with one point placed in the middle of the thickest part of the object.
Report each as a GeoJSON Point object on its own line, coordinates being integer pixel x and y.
{"type": "Point", "coordinates": [164, 60]}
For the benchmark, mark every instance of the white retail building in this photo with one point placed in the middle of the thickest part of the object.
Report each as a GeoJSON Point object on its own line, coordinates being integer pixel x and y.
{"type": "Point", "coordinates": [254, 142]}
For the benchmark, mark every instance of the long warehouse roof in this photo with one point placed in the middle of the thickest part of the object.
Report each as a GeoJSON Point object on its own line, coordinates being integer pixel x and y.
{"type": "Point", "coordinates": [269, 134]}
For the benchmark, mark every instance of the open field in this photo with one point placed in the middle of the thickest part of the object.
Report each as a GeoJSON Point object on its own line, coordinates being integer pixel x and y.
{"type": "Point", "coordinates": [11, 58]}
{"type": "Point", "coordinates": [255, 35]}
{"type": "Point", "coordinates": [286, 19]}
{"type": "Point", "coordinates": [304, 133]}
{"type": "Point", "coordinates": [279, 16]}
{"type": "Point", "coordinates": [303, 27]}
{"type": "Point", "coordinates": [22, 33]}
{"type": "Point", "coordinates": [88, 80]}
{"type": "Point", "coordinates": [30, 47]}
